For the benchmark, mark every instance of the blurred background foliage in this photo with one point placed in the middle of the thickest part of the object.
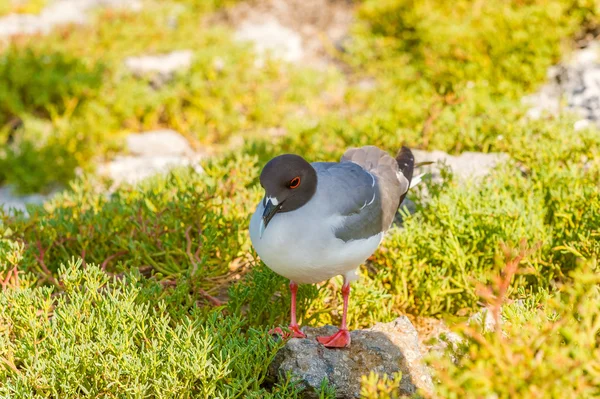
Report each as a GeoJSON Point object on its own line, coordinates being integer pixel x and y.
{"type": "Point", "coordinates": [22, 6]}
{"type": "Point", "coordinates": [463, 67]}
{"type": "Point", "coordinates": [447, 76]}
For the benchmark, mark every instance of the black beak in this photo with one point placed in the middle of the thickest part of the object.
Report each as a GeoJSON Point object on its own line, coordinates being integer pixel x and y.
{"type": "Point", "coordinates": [269, 212]}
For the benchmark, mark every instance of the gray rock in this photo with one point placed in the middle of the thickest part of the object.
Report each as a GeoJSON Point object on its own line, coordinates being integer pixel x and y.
{"type": "Point", "coordinates": [468, 165]}
{"type": "Point", "coordinates": [132, 170]}
{"type": "Point", "coordinates": [269, 36]}
{"type": "Point", "coordinates": [163, 66]}
{"type": "Point", "coordinates": [546, 100]}
{"type": "Point", "coordinates": [11, 201]}
{"type": "Point", "coordinates": [300, 31]}
{"type": "Point", "coordinates": [582, 124]}
{"type": "Point", "coordinates": [587, 56]}
{"type": "Point", "coordinates": [574, 87]}
{"type": "Point", "coordinates": [151, 153]}
{"type": "Point", "coordinates": [158, 143]}
{"type": "Point", "coordinates": [386, 348]}
{"type": "Point", "coordinates": [58, 12]}
{"type": "Point", "coordinates": [366, 84]}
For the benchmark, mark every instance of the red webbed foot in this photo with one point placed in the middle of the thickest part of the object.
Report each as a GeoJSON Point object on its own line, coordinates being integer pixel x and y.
{"type": "Point", "coordinates": [293, 333]}
{"type": "Point", "coordinates": [340, 339]}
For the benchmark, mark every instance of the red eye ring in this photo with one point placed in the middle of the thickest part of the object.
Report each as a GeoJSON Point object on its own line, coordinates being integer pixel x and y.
{"type": "Point", "coordinates": [295, 182]}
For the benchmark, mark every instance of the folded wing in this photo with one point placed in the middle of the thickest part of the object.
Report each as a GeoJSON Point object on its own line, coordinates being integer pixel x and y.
{"type": "Point", "coordinates": [368, 186]}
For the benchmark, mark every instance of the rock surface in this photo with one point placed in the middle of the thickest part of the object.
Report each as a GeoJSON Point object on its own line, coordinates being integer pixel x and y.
{"type": "Point", "coordinates": [9, 200]}
{"type": "Point", "coordinates": [150, 153]}
{"type": "Point", "coordinates": [161, 66]}
{"type": "Point", "coordinates": [385, 348]}
{"type": "Point", "coordinates": [158, 143]}
{"type": "Point", "coordinates": [468, 165]}
{"type": "Point", "coordinates": [270, 37]}
{"type": "Point", "coordinates": [574, 86]}
{"type": "Point", "coordinates": [296, 30]}
{"type": "Point", "coordinates": [58, 12]}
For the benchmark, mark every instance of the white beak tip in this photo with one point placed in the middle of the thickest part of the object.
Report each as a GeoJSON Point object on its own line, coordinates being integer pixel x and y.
{"type": "Point", "coordinates": [261, 230]}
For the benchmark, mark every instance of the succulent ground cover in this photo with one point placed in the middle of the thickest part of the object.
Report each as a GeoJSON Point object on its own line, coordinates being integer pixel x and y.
{"type": "Point", "coordinates": [155, 290]}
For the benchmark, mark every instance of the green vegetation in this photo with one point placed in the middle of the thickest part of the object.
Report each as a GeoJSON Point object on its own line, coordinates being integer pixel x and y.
{"type": "Point", "coordinates": [143, 322]}
{"type": "Point", "coordinates": [22, 6]}
{"type": "Point", "coordinates": [548, 347]}
{"type": "Point", "coordinates": [83, 337]}
{"type": "Point", "coordinates": [374, 386]}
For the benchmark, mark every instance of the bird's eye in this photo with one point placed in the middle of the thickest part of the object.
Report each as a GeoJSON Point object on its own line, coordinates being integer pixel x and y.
{"type": "Point", "coordinates": [294, 183]}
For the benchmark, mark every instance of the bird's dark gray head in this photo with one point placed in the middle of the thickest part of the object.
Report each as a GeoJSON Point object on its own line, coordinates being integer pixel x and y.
{"type": "Point", "coordinates": [289, 182]}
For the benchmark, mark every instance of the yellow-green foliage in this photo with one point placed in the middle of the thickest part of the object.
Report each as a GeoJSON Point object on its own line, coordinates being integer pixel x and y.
{"type": "Point", "coordinates": [171, 224]}
{"type": "Point", "coordinates": [374, 386]}
{"type": "Point", "coordinates": [502, 45]}
{"type": "Point", "coordinates": [549, 347]}
{"type": "Point", "coordinates": [22, 6]}
{"type": "Point", "coordinates": [460, 66]}
{"type": "Point", "coordinates": [457, 235]}
{"type": "Point", "coordinates": [101, 335]}
{"type": "Point", "coordinates": [222, 95]}
{"type": "Point", "coordinates": [447, 76]}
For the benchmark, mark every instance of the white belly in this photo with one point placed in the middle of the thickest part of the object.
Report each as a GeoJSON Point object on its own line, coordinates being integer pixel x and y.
{"type": "Point", "coordinates": [306, 250]}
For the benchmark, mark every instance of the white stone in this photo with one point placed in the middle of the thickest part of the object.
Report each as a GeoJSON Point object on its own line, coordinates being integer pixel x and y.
{"type": "Point", "coordinates": [385, 348]}
{"type": "Point", "coordinates": [366, 84]}
{"type": "Point", "coordinates": [269, 36]}
{"type": "Point", "coordinates": [581, 124]}
{"type": "Point", "coordinates": [574, 86]}
{"type": "Point", "coordinates": [132, 170]}
{"type": "Point", "coordinates": [58, 12]}
{"type": "Point", "coordinates": [158, 143]}
{"type": "Point", "coordinates": [545, 100]}
{"type": "Point", "coordinates": [588, 55]}
{"type": "Point", "coordinates": [591, 78]}
{"type": "Point", "coordinates": [468, 165]}
{"type": "Point", "coordinates": [150, 153]}
{"type": "Point", "coordinates": [164, 64]}
{"type": "Point", "coordinates": [11, 200]}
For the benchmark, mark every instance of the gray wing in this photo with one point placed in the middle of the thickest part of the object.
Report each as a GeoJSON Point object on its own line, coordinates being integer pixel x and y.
{"type": "Point", "coordinates": [356, 196]}
{"type": "Point", "coordinates": [393, 182]}
{"type": "Point", "coordinates": [384, 166]}
{"type": "Point", "coordinates": [368, 186]}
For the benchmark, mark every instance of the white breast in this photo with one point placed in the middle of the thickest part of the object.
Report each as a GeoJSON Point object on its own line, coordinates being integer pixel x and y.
{"type": "Point", "coordinates": [301, 245]}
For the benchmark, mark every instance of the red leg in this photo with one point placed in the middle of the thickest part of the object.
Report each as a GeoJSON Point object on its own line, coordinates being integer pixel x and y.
{"type": "Point", "coordinates": [294, 324]}
{"type": "Point", "coordinates": [294, 327]}
{"type": "Point", "coordinates": [340, 339]}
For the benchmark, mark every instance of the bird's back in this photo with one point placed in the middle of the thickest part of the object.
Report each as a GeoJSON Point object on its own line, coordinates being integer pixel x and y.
{"type": "Point", "coordinates": [393, 176]}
